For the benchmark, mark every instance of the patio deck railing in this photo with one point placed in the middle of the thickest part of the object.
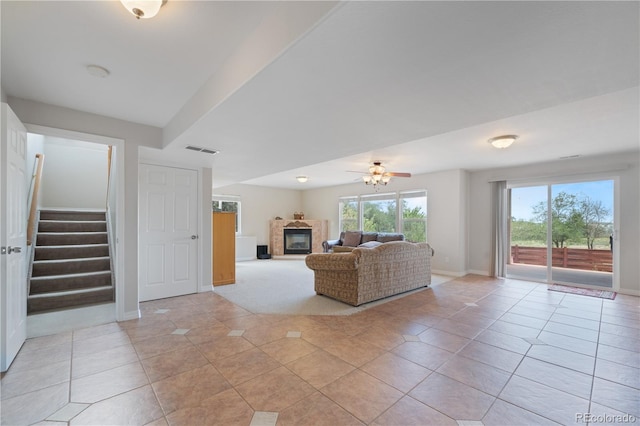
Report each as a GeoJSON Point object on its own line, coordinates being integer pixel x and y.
{"type": "Point", "coordinates": [573, 258]}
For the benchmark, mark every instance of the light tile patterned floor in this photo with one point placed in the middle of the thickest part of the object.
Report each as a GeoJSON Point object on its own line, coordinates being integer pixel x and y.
{"type": "Point", "coordinates": [472, 351]}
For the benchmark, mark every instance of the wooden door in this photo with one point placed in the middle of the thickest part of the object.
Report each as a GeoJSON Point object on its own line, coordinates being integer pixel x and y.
{"type": "Point", "coordinates": [168, 252]}
{"type": "Point", "coordinates": [13, 237]}
{"type": "Point", "coordinates": [224, 248]}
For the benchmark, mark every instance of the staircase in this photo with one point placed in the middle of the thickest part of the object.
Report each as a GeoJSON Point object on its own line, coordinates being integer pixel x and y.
{"type": "Point", "coordinates": [71, 266]}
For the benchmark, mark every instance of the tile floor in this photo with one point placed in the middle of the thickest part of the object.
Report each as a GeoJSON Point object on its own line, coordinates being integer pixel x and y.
{"type": "Point", "coordinates": [472, 351]}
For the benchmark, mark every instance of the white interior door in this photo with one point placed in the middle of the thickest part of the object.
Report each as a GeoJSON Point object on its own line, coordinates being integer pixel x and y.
{"type": "Point", "coordinates": [168, 226]}
{"type": "Point", "coordinates": [13, 237]}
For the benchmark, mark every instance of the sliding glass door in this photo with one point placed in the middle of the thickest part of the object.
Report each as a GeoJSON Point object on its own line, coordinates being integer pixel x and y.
{"type": "Point", "coordinates": [528, 233]}
{"type": "Point", "coordinates": [562, 233]}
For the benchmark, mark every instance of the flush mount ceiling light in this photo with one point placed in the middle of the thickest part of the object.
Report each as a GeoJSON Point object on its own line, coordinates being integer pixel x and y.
{"type": "Point", "coordinates": [98, 71]}
{"type": "Point", "coordinates": [503, 141]}
{"type": "Point", "coordinates": [143, 8]}
{"type": "Point", "coordinates": [302, 179]}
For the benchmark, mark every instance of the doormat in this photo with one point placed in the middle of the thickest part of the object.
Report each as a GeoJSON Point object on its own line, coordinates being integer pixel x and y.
{"type": "Point", "coordinates": [603, 294]}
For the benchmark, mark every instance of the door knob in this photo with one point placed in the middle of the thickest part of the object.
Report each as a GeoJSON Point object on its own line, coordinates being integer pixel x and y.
{"type": "Point", "coordinates": [194, 237]}
{"type": "Point", "coordinates": [14, 250]}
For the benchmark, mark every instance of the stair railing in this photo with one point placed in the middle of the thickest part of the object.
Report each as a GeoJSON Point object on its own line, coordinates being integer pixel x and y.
{"type": "Point", "coordinates": [36, 177]}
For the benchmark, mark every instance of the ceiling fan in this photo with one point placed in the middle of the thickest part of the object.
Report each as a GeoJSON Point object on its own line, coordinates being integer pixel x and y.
{"type": "Point", "coordinates": [378, 175]}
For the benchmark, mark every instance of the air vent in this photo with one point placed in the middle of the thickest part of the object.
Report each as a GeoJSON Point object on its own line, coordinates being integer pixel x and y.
{"type": "Point", "coordinates": [569, 157]}
{"type": "Point", "coordinates": [200, 149]}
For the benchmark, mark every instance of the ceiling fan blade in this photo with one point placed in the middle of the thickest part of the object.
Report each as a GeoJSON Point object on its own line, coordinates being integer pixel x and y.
{"type": "Point", "coordinates": [356, 171]}
{"type": "Point", "coordinates": [398, 174]}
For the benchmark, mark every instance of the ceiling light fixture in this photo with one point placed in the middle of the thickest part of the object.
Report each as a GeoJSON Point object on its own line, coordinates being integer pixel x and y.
{"type": "Point", "coordinates": [376, 176]}
{"type": "Point", "coordinates": [143, 8]}
{"type": "Point", "coordinates": [98, 71]}
{"type": "Point", "coordinates": [302, 179]}
{"type": "Point", "coordinates": [503, 141]}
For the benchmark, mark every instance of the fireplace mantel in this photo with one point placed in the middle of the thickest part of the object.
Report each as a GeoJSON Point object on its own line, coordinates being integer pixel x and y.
{"type": "Point", "coordinates": [319, 233]}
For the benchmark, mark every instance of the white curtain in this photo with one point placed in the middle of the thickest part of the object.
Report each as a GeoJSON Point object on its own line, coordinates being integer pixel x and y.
{"type": "Point", "coordinates": [499, 229]}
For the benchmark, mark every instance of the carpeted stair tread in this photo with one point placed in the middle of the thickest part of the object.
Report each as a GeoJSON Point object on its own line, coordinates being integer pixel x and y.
{"type": "Point", "coordinates": [70, 266]}
{"type": "Point", "coordinates": [68, 238]}
{"type": "Point", "coordinates": [71, 251]}
{"type": "Point", "coordinates": [67, 299]}
{"type": "Point", "coordinates": [55, 283]}
{"type": "Point", "coordinates": [71, 215]}
{"type": "Point", "coordinates": [72, 226]}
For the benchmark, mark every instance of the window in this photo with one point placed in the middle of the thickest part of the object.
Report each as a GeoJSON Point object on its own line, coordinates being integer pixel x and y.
{"type": "Point", "coordinates": [413, 215]}
{"type": "Point", "coordinates": [379, 213]}
{"type": "Point", "coordinates": [227, 203]}
{"type": "Point", "coordinates": [404, 212]}
{"type": "Point", "coordinates": [349, 214]}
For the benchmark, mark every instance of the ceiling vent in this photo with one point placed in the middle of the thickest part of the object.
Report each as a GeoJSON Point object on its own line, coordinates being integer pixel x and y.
{"type": "Point", "coordinates": [200, 149]}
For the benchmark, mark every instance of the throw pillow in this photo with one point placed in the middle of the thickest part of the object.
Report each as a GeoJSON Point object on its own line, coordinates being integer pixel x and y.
{"type": "Point", "coordinates": [351, 238]}
{"type": "Point", "coordinates": [370, 244]}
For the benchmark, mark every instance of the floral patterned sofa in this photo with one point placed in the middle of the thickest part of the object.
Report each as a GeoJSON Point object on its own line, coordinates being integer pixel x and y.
{"type": "Point", "coordinates": [367, 274]}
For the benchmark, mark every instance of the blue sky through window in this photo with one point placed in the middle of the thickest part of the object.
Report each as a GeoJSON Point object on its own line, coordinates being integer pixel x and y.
{"type": "Point", "coordinates": [523, 199]}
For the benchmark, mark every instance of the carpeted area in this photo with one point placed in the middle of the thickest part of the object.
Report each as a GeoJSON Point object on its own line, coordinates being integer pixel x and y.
{"type": "Point", "coordinates": [284, 285]}
{"type": "Point", "coordinates": [603, 294]}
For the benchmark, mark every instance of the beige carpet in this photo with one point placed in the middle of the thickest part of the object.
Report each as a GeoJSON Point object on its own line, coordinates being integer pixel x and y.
{"type": "Point", "coordinates": [284, 285]}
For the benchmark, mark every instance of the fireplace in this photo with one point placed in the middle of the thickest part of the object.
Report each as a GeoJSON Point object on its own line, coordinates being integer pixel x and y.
{"type": "Point", "coordinates": [319, 233]}
{"type": "Point", "coordinates": [297, 241]}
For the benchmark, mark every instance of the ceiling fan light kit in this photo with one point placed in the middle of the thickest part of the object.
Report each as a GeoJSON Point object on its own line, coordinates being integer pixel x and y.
{"type": "Point", "coordinates": [379, 176]}
{"type": "Point", "coordinates": [504, 141]}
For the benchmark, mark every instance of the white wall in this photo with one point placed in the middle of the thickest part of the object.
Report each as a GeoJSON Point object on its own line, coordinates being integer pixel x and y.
{"type": "Point", "coordinates": [623, 166]}
{"type": "Point", "coordinates": [74, 174]}
{"type": "Point", "coordinates": [446, 212]}
{"type": "Point", "coordinates": [260, 204]}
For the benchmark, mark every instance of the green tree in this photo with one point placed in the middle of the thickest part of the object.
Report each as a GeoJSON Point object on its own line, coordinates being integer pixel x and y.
{"type": "Point", "coordinates": [565, 224]}
{"type": "Point", "coordinates": [379, 216]}
{"type": "Point", "coordinates": [349, 216]}
{"type": "Point", "coordinates": [414, 226]}
{"type": "Point", "coordinates": [573, 218]}
{"type": "Point", "coordinates": [594, 217]}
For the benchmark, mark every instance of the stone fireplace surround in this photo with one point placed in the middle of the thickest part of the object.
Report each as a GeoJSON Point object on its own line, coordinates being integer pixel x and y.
{"type": "Point", "coordinates": [319, 233]}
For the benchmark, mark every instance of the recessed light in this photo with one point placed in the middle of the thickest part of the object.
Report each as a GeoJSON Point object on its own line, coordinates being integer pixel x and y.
{"type": "Point", "coordinates": [98, 71]}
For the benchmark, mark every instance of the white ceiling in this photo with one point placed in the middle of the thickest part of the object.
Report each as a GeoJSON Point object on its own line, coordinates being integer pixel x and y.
{"type": "Point", "coordinates": [314, 88]}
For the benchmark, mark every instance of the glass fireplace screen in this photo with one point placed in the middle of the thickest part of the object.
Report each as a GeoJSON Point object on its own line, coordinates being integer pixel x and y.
{"type": "Point", "coordinates": [297, 241]}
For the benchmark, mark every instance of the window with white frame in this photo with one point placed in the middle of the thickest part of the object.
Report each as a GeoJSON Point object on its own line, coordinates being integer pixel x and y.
{"type": "Point", "coordinates": [228, 203]}
{"type": "Point", "coordinates": [379, 213]}
{"type": "Point", "coordinates": [404, 212]}
{"type": "Point", "coordinates": [413, 215]}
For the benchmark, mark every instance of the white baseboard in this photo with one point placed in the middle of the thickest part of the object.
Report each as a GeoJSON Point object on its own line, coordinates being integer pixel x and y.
{"type": "Point", "coordinates": [478, 272]}
{"type": "Point", "coordinates": [448, 273]}
{"type": "Point", "coordinates": [131, 315]}
{"type": "Point", "coordinates": [205, 288]}
{"type": "Point", "coordinates": [628, 292]}
{"type": "Point", "coordinates": [246, 258]}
